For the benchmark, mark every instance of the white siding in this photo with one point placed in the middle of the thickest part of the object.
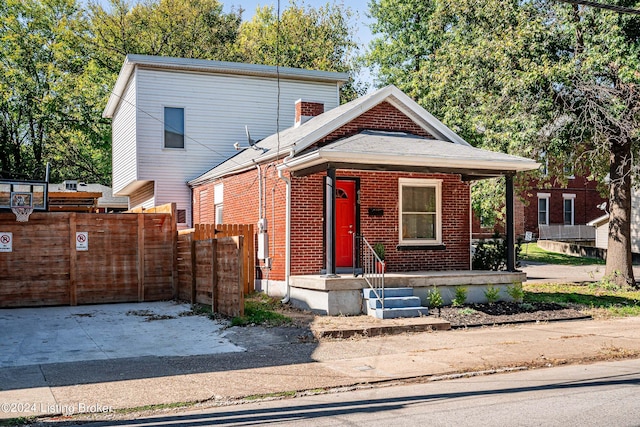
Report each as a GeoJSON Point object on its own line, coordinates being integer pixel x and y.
{"type": "Point", "coordinates": [216, 110]}
{"type": "Point", "coordinates": [635, 221]}
{"type": "Point", "coordinates": [124, 139]}
{"type": "Point", "coordinates": [143, 197]}
{"type": "Point", "coordinates": [602, 235]}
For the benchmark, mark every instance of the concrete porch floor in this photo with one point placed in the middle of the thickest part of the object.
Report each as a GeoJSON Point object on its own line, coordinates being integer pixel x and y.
{"type": "Point", "coordinates": [343, 294]}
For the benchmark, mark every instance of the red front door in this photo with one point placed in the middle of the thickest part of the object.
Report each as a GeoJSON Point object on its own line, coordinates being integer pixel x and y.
{"type": "Point", "coordinates": [345, 221]}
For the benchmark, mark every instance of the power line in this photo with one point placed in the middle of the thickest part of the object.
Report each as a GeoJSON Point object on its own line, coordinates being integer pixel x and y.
{"type": "Point", "coordinates": [612, 7]}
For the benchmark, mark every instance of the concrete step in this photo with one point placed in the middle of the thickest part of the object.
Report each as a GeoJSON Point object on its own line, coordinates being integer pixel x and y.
{"type": "Point", "coordinates": [389, 292]}
{"type": "Point", "coordinates": [394, 313]}
{"type": "Point", "coordinates": [396, 302]}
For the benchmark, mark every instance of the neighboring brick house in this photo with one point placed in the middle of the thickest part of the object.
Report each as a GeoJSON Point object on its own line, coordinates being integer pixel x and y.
{"type": "Point", "coordinates": [551, 210]}
{"type": "Point", "coordinates": [380, 166]}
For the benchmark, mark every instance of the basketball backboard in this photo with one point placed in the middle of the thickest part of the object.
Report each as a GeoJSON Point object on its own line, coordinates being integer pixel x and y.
{"type": "Point", "coordinates": [23, 194]}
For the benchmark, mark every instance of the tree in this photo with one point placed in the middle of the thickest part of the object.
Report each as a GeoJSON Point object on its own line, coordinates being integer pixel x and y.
{"type": "Point", "coordinates": [180, 28]}
{"type": "Point", "coordinates": [525, 78]}
{"type": "Point", "coordinates": [42, 85]}
{"type": "Point", "coordinates": [304, 37]}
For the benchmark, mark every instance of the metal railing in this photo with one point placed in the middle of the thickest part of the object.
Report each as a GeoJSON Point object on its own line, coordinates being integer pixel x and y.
{"type": "Point", "coordinates": [369, 264]}
{"type": "Point", "coordinates": [566, 232]}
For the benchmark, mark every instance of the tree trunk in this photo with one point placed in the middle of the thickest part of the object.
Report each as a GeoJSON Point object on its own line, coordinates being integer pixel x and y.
{"type": "Point", "coordinates": [619, 268]}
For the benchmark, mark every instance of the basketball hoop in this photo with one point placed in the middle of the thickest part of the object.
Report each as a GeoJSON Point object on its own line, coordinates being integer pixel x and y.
{"type": "Point", "coordinates": [22, 213]}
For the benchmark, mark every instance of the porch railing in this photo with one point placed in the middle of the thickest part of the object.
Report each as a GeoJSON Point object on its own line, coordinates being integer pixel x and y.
{"type": "Point", "coordinates": [370, 266]}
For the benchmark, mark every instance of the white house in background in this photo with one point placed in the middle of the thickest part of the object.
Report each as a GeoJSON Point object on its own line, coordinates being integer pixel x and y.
{"type": "Point", "coordinates": [601, 225]}
{"type": "Point", "coordinates": [174, 118]}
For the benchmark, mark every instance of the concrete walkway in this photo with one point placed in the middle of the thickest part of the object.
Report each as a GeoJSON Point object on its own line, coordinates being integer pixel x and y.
{"type": "Point", "coordinates": [278, 363]}
{"type": "Point", "coordinates": [549, 273]}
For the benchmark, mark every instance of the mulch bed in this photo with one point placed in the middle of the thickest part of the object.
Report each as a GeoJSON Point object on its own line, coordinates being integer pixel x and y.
{"type": "Point", "coordinates": [498, 313]}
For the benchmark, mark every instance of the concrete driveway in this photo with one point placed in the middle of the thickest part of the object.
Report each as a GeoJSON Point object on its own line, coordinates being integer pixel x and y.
{"type": "Point", "coordinates": [30, 336]}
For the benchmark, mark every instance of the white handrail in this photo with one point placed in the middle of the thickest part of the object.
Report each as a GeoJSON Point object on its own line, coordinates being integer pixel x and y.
{"type": "Point", "coordinates": [372, 267]}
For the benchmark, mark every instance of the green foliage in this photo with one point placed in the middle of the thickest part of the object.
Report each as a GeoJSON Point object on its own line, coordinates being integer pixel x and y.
{"type": "Point", "coordinates": [434, 297]}
{"type": "Point", "coordinates": [467, 311]}
{"type": "Point", "coordinates": [526, 78]}
{"type": "Point", "coordinates": [378, 248]}
{"type": "Point", "coordinates": [260, 309]}
{"type": "Point", "coordinates": [460, 296]}
{"type": "Point", "coordinates": [516, 292]}
{"type": "Point", "coordinates": [592, 298]}
{"type": "Point", "coordinates": [492, 294]}
{"type": "Point", "coordinates": [492, 254]}
{"type": "Point", "coordinates": [313, 38]}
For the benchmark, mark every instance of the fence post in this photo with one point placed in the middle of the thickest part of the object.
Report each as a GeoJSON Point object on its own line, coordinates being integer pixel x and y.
{"type": "Point", "coordinates": [73, 254]}
{"type": "Point", "coordinates": [192, 243]}
{"type": "Point", "coordinates": [214, 275]}
{"type": "Point", "coordinates": [140, 257]}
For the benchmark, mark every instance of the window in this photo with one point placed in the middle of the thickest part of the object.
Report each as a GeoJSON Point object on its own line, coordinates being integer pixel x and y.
{"type": "Point", "coordinates": [420, 211]}
{"type": "Point", "coordinates": [569, 204]}
{"type": "Point", "coordinates": [173, 127]}
{"type": "Point", "coordinates": [218, 202]}
{"type": "Point", "coordinates": [543, 208]}
{"type": "Point", "coordinates": [181, 216]}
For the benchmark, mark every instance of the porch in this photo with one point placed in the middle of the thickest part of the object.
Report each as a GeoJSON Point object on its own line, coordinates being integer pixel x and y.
{"type": "Point", "coordinates": [343, 294]}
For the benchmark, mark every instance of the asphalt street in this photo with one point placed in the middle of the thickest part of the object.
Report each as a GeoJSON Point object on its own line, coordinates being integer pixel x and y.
{"type": "Point", "coordinates": [582, 395]}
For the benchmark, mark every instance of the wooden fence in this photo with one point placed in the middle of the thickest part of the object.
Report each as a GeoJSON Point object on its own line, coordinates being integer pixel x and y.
{"type": "Point", "coordinates": [82, 258]}
{"type": "Point", "coordinates": [216, 231]}
{"type": "Point", "coordinates": [211, 272]}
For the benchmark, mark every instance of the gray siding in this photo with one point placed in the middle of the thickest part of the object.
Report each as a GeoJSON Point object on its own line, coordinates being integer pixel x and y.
{"type": "Point", "coordinates": [124, 161]}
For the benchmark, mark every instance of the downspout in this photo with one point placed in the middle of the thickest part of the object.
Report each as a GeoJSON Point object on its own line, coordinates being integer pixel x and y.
{"type": "Point", "coordinates": [287, 236]}
{"type": "Point", "coordinates": [259, 191]}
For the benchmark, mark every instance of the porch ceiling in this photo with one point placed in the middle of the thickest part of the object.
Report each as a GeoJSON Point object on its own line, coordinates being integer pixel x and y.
{"type": "Point", "coordinates": [394, 151]}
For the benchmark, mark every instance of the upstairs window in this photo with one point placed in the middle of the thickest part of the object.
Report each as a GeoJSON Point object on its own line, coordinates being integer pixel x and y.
{"type": "Point", "coordinates": [173, 127]}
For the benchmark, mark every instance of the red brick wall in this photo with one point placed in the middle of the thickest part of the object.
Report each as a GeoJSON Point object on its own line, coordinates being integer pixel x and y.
{"type": "Point", "coordinates": [308, 109]}
{"type": "Point", "coordinates": [381, 117]}
{"type": "Point", "coordinates": [587, 198]}
{"type": "Point", "coordinates": [380, 190]}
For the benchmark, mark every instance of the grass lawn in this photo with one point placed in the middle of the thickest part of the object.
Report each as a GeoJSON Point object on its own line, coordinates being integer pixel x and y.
{"type": "Point", "coordinates": [532, 252]}
{"type": "Point", "coordinates": [598, 299]}
{"type": "Point", "coordinates": [260, 309]}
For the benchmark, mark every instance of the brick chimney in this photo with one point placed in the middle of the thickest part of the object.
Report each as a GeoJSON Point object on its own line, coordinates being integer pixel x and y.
{"type": "Point", "coordinates": [306, 110]}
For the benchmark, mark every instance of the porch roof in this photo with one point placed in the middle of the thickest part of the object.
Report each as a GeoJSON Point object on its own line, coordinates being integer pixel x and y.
{"type": "Point", "coordinates": [378, 150]}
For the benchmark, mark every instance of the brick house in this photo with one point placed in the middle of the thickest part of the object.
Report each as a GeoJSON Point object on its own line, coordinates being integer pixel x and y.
{"type": "Point", "coordinates": [552, 210]}
{"type": "Point", "coordinates": [379, 167]}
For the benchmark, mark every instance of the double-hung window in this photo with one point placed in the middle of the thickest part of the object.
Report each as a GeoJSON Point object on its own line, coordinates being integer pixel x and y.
{"type": "Point", "coordinates": [420, 211]}
{"type": "Point", "coordinates": [543, 208]}
{"type": "Point", "coordinates": [173, 127]}
{"type": "Point", "coordinates": [568, 202]}
{"type": "Point", "coordinates": [218, 202]}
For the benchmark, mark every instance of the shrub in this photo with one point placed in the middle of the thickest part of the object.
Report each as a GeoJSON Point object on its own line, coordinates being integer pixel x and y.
{"type": "Point", "coordinates": [460, 296]}
{"type": "Point", "coordinates": [516, 292]}
{"type": "Point", "coordinates": [492, 294]}
{"type": "Point", "coordinates": [492, 254]}
{"type": "Point", "coordinates": [435, 298]}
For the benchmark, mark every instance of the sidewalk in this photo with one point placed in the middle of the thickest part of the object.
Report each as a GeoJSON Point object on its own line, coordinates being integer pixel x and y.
{"type": "Point", "coordinates": [274, 366]}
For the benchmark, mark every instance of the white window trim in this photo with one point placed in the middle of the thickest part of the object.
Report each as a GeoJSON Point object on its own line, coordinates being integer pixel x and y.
{"type": "Point", "coordinates": [571, 197]}
{"type": "Point", "coordinates": [218, 203]}
{"type": "Point", "coordinates": [184, 124]}
{"type": "Point", "coordinates": [546, 196]}
{"type": "Point", "coordinates": [416, 182]}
